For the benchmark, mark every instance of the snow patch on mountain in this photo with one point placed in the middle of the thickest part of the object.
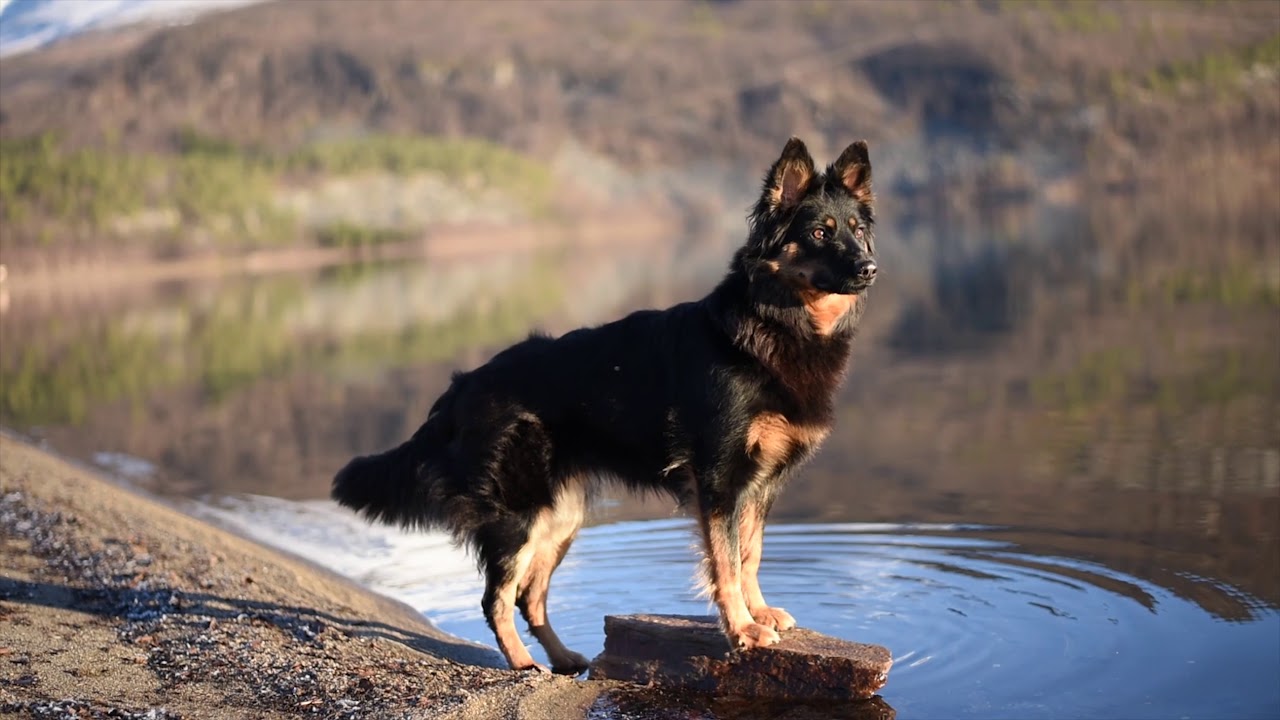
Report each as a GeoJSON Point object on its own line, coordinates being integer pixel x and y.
{"type": "Point", "coordinates": [31, 24]}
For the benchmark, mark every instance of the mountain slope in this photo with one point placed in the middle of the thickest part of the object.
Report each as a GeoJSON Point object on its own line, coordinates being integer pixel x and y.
{"type": "Point", "coordinates": [967, 104]}
{"type": "Point", "coordinates": [660, 82]}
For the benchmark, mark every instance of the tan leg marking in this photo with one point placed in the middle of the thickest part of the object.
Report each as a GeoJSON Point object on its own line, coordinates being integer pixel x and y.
{"type": "Point", "coordinates": [550, 538]}
{"type": "Point", "coordinates": [770, 439]}
{"type": "Point", "coordinates": [723, 568]}
{"type": "Point", "coordinates": [504, 620]}
{"type": "Point", "coordinates": [751, 536]}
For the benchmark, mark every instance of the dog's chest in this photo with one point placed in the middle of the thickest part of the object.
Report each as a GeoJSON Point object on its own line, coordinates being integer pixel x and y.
{"type": "Point", "coordinates": [802, 374]}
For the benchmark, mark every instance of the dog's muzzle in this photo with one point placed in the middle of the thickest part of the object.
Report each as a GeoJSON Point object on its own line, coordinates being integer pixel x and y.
{"type": "Point", "coordinates": [850, 279]}
{"type": "Point", "coordinates": [864, 275]}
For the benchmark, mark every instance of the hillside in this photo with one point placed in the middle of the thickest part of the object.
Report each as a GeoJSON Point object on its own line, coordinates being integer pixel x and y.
{"type": "Point", "coordinates": [965, 102]}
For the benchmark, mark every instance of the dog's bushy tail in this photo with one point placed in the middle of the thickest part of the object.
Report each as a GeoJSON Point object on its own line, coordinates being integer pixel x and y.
{"type": "Point", "coordinates": [402, 486]}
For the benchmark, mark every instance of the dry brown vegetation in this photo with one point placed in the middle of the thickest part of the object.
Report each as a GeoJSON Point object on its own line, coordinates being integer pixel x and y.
{"type": "Point", "coordinates": [663, 82]}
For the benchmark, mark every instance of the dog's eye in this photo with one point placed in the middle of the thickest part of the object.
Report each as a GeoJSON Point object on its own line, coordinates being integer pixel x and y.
{"type": "Point", "coordinates": [819, 233]}
{"type": "Point", "coordinates": [859, 233]}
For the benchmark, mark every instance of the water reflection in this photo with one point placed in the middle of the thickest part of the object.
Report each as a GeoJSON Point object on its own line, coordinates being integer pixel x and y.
{"type": "Point", "coordinates": [266, 384]}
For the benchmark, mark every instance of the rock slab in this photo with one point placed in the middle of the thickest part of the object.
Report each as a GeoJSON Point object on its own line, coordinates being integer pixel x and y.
{"type": "Point", "coordinates": [691, 653]}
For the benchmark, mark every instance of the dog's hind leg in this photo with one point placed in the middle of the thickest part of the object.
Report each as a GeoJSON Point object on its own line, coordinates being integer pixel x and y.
{"type": "Point", "coordinates": [751, 537]}
{"type": "Point", "coordinates": [521, 548]}
{"type": "Point", "coordinates": [551, 537]}
{"type": "Point", "coordinates": [507, 554]}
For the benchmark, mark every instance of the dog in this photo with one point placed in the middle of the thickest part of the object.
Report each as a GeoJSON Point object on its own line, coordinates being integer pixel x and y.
{"type": "Point", "coordinates": [715, 402]}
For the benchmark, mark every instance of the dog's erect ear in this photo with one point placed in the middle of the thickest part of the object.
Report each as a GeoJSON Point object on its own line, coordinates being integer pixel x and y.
{"type": "Point", "coordinates": [789, 177]}
{"type": "Point", "coordinates": [853, 170]}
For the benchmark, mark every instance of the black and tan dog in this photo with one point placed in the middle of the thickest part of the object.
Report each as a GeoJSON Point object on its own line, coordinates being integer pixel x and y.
{"type": "Point", "coordinates": [715, 402]}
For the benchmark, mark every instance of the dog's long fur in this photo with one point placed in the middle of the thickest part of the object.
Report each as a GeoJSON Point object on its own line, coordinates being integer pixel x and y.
{"type": "Point", "coordinates": [715, 402]}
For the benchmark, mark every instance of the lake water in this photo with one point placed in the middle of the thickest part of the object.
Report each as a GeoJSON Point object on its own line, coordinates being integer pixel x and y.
{"type": "Point", "coordinates": [1054, 490]}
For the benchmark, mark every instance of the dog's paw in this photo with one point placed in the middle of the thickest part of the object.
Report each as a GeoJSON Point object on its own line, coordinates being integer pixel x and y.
{"type": "Point", "coordinates": [773, 617]}
{"type": "Point", "coordinates": [753, 635]}
{"type": "Point", "coordinates": [534, 668]}
{"type": "Point", "coordinates": [571, 664]}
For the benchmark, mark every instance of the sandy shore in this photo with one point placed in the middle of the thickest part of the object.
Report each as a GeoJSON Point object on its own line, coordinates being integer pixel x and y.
{"type": "Point", "coordinates": [113, 605]}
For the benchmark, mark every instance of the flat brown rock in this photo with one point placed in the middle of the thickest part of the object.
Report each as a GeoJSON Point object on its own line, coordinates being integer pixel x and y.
{"type": "Point", "coordinates": [690, 652]}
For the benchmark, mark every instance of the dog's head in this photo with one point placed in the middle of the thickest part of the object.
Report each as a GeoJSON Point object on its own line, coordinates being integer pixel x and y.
{"type": "Point", "coordinates": [811, 230]}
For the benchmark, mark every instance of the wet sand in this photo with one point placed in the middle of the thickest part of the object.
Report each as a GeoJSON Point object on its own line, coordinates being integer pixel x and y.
{"type": "Point", "coordinates": [113, 605]}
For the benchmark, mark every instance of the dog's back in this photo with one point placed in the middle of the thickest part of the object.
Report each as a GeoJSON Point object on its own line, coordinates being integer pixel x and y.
{"type": "Point", "coordinates": [504, 437]}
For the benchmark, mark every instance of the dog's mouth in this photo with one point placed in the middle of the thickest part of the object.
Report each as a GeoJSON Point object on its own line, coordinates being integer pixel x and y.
{"type": "Point", "coordinates": [841, 286]}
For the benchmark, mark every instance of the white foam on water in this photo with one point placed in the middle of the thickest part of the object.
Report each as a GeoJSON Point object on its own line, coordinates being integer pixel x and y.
{"type": "Point", "coordinates": [422, 569]}
{"type": "Point", "coordinates": [127, 466]}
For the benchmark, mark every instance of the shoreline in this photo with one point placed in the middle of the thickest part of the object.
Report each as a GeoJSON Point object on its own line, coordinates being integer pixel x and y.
{"type": "Point", "coordinates": [29, 273]}
{"type": "Point", "coordinates": [111, 601]}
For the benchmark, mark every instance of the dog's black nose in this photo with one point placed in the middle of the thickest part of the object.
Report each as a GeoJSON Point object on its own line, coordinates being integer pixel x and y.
{"type": "Point", "coordinates": [866, 270]}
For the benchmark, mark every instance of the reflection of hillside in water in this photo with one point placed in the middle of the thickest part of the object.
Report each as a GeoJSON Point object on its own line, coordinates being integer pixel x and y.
{"type": "Point", "coordinates": [1105, 386]}
{"type": "Point", "coordinates": [294, 373]}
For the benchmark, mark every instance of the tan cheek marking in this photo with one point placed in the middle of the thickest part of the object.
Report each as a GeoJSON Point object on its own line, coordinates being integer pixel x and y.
{"type": "Point", "coordinates": [789, 253]}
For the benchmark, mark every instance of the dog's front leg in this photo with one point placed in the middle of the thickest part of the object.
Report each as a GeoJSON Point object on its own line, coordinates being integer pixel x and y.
{"type": "Point", "coordinates": [751, 517]}
{"type": "Point", "coordinates": [723, 561]}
